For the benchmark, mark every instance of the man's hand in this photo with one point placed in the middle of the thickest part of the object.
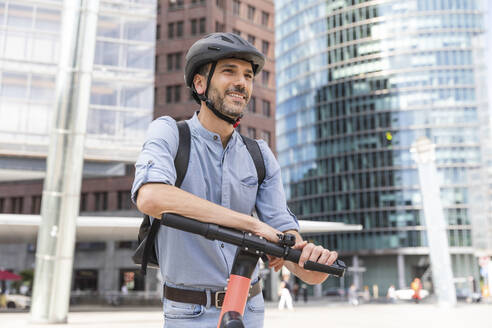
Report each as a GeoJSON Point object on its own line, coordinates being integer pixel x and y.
{"type": "Point", "coordinates": [264, 230]}
{"type": "Point", "coordinates": [310, 252]}
{"type": "Point", "coordinates": [275, 262]}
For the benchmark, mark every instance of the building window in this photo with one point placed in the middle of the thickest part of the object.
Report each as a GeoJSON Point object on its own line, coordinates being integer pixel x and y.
{"type": "Point", "coordinates": [124, 201]}
{"type": "Point", "coordinates": [174, 61]}
{"type": "Point", "coordinates": [126, 244]}
{"type": "Point", "coordinates": [266, 108]}
{"type": "Point", "coordinates": [265, 45]}
{"type": "Point", "coordinates": [265, 17]}
{"type": "Point", "coordinates": [177, 93]}
{"type": "Point", "coordinates": [251, 39]}
{"type": "Point", "coordinates": [158, 32]}
{"type": "Point", "coordinates": [265, 77]}
{"type": "Point", "coordinates": [219, 4]}
{"type": "Point", "coordinates": [202, 25]}
{"type": "Point", "coordinates": [83, 202]}
{"type": "Point", "coordinates": [85, 279]}
{"type": "Point", "coordinates": [17, 204]}
{"type": "Point", "coordinates": [173, 94]}
{"type": "Point", "coordinates": [170, 31]}
{"type": "Point", "coordinates": [90, 246]}
{"type": "Point", "coordinates": [170, 65]}
{"type": "Point", "coordinates": [179, 29]}
{"type": "Point", "coordinates": [194, 26]}
{"type": "Point", "coordinates": [236, 31]}
{"type": "Point", "coordinates": [36, 204]}
{"type": "Point", "coordinates": [101, 201]}
{"type": "Point", "coordinates": [252, 105]}
{"type": "Point", "coordinates": [265, 135]}
{"type": "Point", "coordinates": [236, 5]}
{"type": "Point", "coordinates": [176, 4]}
{"type": "Point", "coordinates": [251, 13]}
{"type": "Point", "coordinates": [169, 94]}
{"type": "Point", "coordinates": [219, 27]}
{"type": "Point", "coordinates": [252, 133]}
{"type": "Point", "coordinates": [2, 205]}
{"type": "Point", "coordinates": [197, 2]}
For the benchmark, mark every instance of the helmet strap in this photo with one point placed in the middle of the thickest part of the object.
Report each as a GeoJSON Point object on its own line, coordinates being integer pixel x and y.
{"type": "Point", "coordinates": [210, 73]}
{"type": "Point", "coordinates": [204, 98]}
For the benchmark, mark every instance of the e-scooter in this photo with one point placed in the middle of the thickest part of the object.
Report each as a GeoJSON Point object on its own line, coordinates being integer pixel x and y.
{"type": "Point", "coordinates": [251, 248]}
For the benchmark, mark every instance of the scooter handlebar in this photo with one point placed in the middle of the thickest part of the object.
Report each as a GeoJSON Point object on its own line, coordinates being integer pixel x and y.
{"type": "Point", "coordinates": [248, 242]}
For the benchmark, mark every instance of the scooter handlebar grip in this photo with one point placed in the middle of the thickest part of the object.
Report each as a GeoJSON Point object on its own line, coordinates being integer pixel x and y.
{"type": "Point", "coordinates": [335, 269]}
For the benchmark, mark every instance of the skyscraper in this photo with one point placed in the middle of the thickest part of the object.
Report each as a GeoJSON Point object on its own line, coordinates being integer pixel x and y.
{"type": "Point", "coordinates": [357, 83]}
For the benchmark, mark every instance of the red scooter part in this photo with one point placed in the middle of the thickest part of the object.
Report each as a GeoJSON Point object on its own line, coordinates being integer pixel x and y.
{"type": "Point", "coordinates": [235, 299]}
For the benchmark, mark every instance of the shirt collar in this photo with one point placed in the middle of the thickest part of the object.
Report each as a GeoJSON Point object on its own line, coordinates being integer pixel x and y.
{"type": "Point", "coordinates": [196, 126]}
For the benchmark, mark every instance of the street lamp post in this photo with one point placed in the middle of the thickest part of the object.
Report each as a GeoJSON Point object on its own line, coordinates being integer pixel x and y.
{"type": "Point", "coordinates": [442, 276]}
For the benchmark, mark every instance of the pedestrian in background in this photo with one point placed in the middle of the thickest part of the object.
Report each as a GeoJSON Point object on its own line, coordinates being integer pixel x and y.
{"type": "Point", "coordinates": [304, 292]}
{"type": "Point", "coordinates": [3, 299]}
{"type": "Point", "coordinates": [366, 295]}
{"type": "Point", "coordinates": [352, 295]}
{"type": "Point", "coordinates": [296, 292]}
{"type": "Point", "coordinates": [391, 294]}
{"type": "Point", "coordinates": [416, 286]}
{"type": "Point", "coordinates": [375, 292]}
{"type": "Point", "coordinates": [284, 293]}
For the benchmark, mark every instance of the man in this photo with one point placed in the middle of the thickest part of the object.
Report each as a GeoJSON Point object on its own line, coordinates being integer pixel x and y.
{"type": "Point", "coordinates": [220, 186]}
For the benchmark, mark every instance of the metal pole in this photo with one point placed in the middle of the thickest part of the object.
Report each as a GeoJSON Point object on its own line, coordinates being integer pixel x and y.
{"type": "Point", "coordinates": [355, 266]}
{"type": "Point", "coordinates": [442, 275]}
{"type": "Point", "coordinates": [400, 260]}
{"type": "Point", "coordinates": [60, 204]}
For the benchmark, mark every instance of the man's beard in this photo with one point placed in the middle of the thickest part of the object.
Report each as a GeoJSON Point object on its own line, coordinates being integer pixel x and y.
{"type": "Point", "coordinates": [233, 110]}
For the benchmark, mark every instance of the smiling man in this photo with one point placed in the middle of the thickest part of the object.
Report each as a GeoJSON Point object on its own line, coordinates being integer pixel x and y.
{"type": "Point", "coordinates": [221, 186]}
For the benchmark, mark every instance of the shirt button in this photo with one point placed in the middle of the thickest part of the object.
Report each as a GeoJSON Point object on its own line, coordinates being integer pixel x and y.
{"type": "Point", "coordinates": [215, 137]}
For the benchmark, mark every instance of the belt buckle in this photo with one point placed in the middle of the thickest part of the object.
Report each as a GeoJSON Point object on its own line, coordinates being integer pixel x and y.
{"type": "Point", "coordinates": [219, 299]}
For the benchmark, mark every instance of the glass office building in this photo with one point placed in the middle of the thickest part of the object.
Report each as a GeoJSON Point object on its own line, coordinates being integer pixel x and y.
{"type": "Point", "coordinates": [121, 102]}
{"type": "Point", "coordinates": [357, 83]}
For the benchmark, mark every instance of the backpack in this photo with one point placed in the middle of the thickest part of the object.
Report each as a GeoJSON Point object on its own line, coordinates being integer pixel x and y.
{"type": "Point", "coordinates": [145, 255]}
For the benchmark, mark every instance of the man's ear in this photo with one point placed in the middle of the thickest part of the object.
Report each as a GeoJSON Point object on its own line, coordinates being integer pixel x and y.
{"type": "Point", "coordinates": [200, 83]}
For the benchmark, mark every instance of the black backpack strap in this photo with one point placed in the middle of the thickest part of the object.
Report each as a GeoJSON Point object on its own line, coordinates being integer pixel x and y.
{"type": "Point", "coordinates": [181, 164]}
{"type": "Point", "coordinates": [149, 242]}
{"type": "Point", "coordinates": [183, 154]}
{"type": "Point", "coordinates": [255, 152]}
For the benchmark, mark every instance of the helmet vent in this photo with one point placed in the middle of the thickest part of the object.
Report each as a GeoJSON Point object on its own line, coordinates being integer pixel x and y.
{"type": "Point", "coordinates": [226, 39]}
{"type": "Point", "coordinates": [239, 39]}
{"type": "Point", "coordinates": [214, 48]}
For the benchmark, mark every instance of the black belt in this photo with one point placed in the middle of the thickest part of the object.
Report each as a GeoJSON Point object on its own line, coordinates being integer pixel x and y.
{"type": "Point", "coordinates": [200, 297]}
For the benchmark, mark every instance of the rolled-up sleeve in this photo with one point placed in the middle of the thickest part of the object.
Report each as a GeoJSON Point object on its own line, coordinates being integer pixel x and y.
{"type": "Point", "coordinates": [156, 160]}
{"type": "Point", "coordinates": [271, 204]}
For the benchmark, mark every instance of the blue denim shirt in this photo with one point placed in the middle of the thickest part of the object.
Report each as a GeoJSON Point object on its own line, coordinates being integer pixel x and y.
{"type": "Point", "coordinates": [226, 176]}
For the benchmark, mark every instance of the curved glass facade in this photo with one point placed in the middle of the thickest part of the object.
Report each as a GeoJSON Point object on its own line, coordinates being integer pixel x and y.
{"type": "Point", "coordinates": [357, 83]}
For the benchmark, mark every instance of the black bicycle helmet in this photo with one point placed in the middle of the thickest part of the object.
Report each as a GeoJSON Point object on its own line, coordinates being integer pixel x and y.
{"type": "Point", "coordinates": [212, 48]}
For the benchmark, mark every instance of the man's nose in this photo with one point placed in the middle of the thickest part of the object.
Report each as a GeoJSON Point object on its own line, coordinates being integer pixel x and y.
{"type": "Point", "coordinates": [240, 81]}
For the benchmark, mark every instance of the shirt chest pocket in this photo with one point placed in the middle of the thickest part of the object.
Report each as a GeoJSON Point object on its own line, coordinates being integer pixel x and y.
{"type": "Point", "coordinates": [244, 194]}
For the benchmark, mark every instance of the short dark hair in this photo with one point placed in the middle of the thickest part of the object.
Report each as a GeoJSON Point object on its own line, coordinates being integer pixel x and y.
{"type": "Point", "coordinates": [204, 70]}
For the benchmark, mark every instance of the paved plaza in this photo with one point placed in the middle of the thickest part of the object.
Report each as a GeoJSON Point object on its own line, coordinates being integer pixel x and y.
{"type": "Point", "coordinates": [318, 314]}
